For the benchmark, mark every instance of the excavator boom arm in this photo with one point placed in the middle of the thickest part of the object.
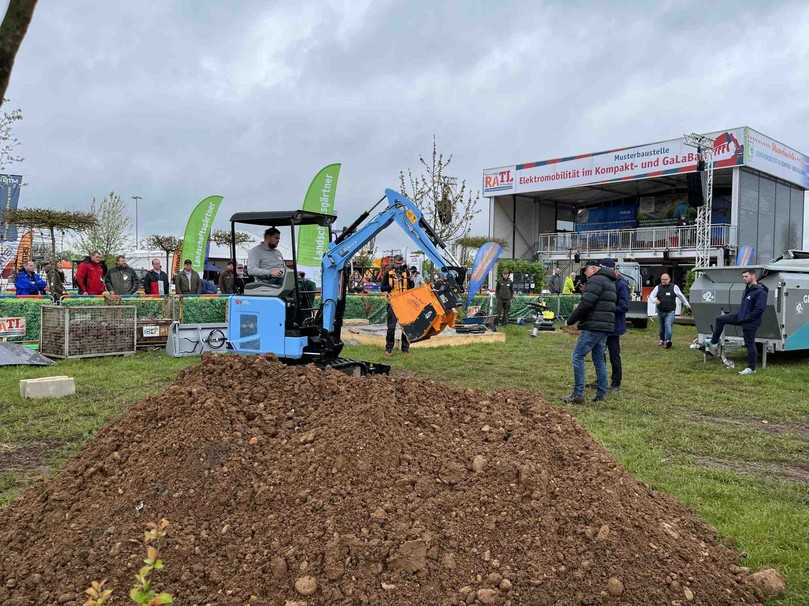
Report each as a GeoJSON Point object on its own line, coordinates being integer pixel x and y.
{"type": "Point", "coordinates": [433, 308]}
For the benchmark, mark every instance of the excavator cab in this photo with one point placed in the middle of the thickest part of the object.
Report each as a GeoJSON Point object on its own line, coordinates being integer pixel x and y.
{"type": "Point", "coordinates": [274, 315]}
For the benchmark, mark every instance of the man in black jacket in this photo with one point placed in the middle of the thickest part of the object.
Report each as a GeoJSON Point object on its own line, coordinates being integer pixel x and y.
{"type": "Point", "coordinates": [595, 315]}
{"type": "Point", "coordinates": [156, 281]}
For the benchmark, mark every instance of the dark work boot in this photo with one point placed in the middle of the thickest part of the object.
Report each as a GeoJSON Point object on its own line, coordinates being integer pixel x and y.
{"type": "Point", "coordinates": [573, 399]}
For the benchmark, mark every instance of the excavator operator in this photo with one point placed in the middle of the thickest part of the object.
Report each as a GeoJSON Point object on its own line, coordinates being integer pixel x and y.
{"type": "Point", "coordinates": [266, 265]}
{"type": "Point", "coordinates": [397, 279]}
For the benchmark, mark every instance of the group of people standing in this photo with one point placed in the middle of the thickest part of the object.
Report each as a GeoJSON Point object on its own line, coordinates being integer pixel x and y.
{"type": "Point", "coordinates": [601, 319]}
{"type": "Point", "coordinates": [92, 277]}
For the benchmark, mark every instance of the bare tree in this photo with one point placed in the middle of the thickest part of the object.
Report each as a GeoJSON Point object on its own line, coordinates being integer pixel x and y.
{"type": "Point", "coordinates": [110, 233]}
{"type": "Point", "coordinates": [446, 203]}
{"type": "Point", "coordinates": [53, 220]}
{"type": "Point", "coordinates": [222, 237]}
{"type": "Point", "coordinates": [7, 139]}
{"type": "Point", "coordinates": [12, 31]}
{"type": "Point", "coordinates": [168, 244]}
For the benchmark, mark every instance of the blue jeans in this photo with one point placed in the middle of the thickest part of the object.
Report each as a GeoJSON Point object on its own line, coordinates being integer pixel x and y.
{"type": "Point", "coordinates": [666, 319]}
{"type": "Point", "coordinates": [590, 341]}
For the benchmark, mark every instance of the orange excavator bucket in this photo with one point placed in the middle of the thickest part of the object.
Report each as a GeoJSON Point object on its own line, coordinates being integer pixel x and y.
{"type": "Point", "coordinates": [421, 312]}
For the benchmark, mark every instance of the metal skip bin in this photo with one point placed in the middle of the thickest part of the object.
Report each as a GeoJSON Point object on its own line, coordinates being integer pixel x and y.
{"type": "Point", "coordinates": [785, 324]}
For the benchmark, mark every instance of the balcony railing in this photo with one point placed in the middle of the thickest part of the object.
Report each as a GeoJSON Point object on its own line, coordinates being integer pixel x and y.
{"type": "Point", "coordinates": [633, 241]}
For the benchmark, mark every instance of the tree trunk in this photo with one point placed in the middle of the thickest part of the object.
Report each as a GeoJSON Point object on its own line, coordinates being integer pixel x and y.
{"type": "Point", "coordinates": [12, 31]}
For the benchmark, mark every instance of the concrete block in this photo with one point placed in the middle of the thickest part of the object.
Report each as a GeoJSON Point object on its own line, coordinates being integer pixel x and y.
{"type": "Point", "coordinates": [47, 387]}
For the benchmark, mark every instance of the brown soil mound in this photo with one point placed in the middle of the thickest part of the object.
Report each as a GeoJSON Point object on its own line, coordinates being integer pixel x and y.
{"type": "Point", "coordinates": [293, 485]}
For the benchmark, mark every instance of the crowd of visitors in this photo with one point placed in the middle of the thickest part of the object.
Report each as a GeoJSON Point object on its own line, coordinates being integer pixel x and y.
{"type": "Point", "coordinates": [92, 277]}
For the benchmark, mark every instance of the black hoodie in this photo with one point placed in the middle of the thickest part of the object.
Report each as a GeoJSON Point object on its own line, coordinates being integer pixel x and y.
{"type": "Point", "coordinates": [596, 310]}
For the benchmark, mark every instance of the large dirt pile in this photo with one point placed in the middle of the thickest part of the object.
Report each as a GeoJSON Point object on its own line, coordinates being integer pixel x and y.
{"type": "Point", "coordinates": [289, 485]}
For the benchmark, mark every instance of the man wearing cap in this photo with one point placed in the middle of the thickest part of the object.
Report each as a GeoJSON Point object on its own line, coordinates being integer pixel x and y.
{"type": "Point", "coordinates": [595, 315]}
{"type": "Point", "coordinates": [395, 280]}
{"type": "Point", "coordinates": [187, 281]}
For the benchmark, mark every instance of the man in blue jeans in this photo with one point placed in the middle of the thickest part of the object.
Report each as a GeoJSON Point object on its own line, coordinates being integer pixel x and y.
{"type": "Point", "coordinates": [665, 296]}
{"type": "Point", "coordinates": [595, 315]}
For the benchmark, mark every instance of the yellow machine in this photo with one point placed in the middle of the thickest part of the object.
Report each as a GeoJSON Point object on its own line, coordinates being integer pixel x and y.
{"type": "Point", "coordinates": [424, 311]}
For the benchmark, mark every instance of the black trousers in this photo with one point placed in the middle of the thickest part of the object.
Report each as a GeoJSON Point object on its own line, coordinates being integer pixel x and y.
{"type": "Point", "coordinates": [503, 309]}
{"type": "Point", "coordinates": [614, 349]}
{"type": "Point", "coordinates": [748, 332]}
{"type": "Point", "coordinates": [390, 336]}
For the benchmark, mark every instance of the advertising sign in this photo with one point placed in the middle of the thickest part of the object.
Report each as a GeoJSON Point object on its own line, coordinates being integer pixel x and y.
{"type": "Point", "coordinates": [9, 198]}
{"type": "Point", "coordinates": [774, 158]}
{"type": "Point", "coordinates": [621, 164]}
{"type": "Point", "coordinates": [12, 327]}
{"type": "Point", "coordinates": [313, 239]}
{"type": "Point", "coordinates": [198, 231]}
{"type": "Point", "coordinates": [484, 261]}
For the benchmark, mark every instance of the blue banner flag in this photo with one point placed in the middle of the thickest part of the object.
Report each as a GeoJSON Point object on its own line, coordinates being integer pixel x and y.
{"type": "Point", "coordinates": [9, 198]}
{"type": "Point", "coordinates": [487, 256]}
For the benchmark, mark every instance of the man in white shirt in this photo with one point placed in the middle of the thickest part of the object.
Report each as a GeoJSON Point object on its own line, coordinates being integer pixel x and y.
{"type": "Point", "coordinates": [665, 297]}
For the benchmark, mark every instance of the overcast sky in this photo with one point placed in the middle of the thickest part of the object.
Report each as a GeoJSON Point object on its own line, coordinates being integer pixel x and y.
{"type": "Point", "coordinates": [174, 101]}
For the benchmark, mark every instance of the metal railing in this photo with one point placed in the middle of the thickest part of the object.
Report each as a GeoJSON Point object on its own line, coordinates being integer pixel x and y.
{"type": "Point", "coordinates": [628, 241]}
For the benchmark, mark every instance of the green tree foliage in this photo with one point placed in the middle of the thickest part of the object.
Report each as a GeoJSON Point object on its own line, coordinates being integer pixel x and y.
{"type": "Point", "coordinates": [53, 220]}
{"type": "Point", "coordinates": [222, 237]}
{"type": "Point", "coordinates": [168, 244]}
{"type": "Point", "coordinates": [110, 233]}
{"type": "Point", "coordinates": [535, 269]}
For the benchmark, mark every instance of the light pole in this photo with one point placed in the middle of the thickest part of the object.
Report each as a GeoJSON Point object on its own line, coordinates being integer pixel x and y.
{"type": "Point", "coordinates": [136, 199]}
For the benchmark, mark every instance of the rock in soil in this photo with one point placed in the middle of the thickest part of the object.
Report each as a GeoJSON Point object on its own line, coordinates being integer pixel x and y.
{"type": "Point", "coordinates": [356, 485]}
{"type": "Point", "coordinates": [768, 581]}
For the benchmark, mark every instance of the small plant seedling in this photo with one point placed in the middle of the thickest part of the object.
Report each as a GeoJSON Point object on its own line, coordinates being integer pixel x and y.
{"type": "Point", "coordinates": [142, 592]}
{"type": "Point", "coordinates": [97, 595]}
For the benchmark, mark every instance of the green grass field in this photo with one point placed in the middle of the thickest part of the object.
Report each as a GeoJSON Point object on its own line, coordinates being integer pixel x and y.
{"type": "Point", "coordinates": [736, 449]}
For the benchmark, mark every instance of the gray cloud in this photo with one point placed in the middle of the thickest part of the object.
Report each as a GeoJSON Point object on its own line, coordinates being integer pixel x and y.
{"type": "Point", "coordinates": [174, 101]}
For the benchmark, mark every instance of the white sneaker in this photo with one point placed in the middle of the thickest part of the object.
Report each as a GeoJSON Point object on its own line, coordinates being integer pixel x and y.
{"type": "Point", "coordinates": [747, 371]}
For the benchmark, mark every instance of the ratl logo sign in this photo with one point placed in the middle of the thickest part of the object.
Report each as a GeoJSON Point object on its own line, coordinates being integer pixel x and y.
{"type": "Point", "coordinates": [498, 179]}
{"type": "Point", "coordinates": [707, 296]}
{"type": "Point", "coordinates": [727, 150]}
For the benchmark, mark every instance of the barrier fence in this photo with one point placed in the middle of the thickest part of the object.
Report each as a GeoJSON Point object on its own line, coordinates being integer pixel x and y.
{"type": "Point", "coordinates": [199, 309]}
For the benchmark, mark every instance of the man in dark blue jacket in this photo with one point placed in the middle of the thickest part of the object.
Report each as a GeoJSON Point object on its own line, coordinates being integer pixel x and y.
{"type": "Point", "coordinates": [754, 302]}
{"type": "Point", "coordinates": [614, 339]}
{"type": "Point", "coordinates": [28, 282]}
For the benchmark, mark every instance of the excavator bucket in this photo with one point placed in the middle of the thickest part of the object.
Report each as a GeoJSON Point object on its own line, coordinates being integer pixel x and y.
{"type": "Point", "coordinates": [423, 312]}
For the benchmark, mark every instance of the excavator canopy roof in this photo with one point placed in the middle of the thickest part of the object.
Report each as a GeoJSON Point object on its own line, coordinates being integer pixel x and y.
{"type": "Point", "coordinates": [283, 217]}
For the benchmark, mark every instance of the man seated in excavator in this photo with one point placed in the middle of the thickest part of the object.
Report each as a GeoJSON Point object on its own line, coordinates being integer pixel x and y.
{"type": "Point", "coordinates": [266, 264]}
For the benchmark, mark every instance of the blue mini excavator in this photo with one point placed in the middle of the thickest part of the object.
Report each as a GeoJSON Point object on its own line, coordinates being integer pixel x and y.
{"type": "Point", "coordinates": [282, 320]}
